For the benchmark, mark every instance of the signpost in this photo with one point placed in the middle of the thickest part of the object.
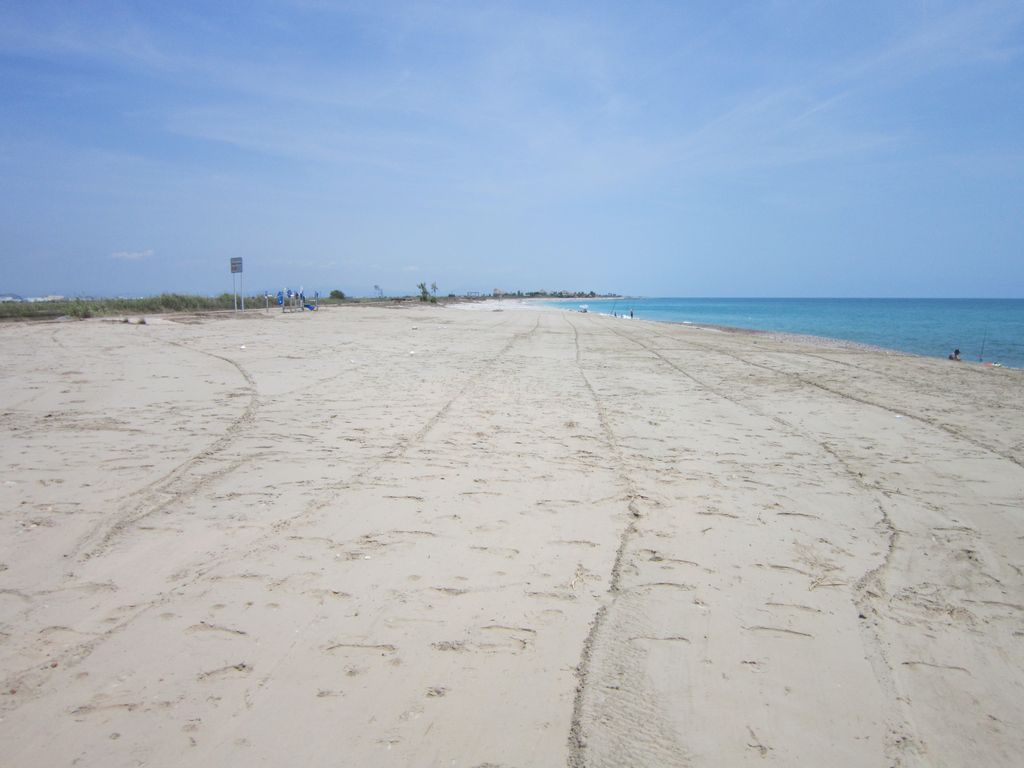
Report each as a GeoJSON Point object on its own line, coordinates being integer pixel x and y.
{"type": "Point", "coordinates": [236, 269]}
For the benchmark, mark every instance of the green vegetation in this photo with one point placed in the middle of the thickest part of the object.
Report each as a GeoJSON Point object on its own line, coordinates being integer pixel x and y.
{"type": "Point", "coordinates": [427, 294]}
{"type": "Point", "coordinates": [177, 302]}
{"type": "Point", "coordinates": [82, 308]}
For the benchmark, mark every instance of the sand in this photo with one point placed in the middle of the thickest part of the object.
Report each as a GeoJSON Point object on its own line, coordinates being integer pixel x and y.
{"type": "Point", "coordinates": [430, 537]}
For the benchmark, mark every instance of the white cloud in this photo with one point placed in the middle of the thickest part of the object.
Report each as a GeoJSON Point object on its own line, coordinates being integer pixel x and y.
{"type": "Point", "coordinates": [132, 255]}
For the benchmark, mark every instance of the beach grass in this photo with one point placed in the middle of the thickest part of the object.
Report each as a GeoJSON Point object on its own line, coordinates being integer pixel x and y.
{"type": "Point", "coordinates": [84, 308]}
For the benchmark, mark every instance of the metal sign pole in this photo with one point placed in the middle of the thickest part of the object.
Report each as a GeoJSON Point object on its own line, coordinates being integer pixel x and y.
{"type": "Point", "coordinates": [236, 269]}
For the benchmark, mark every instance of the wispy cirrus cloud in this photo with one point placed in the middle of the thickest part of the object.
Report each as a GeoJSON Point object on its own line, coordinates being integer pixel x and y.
{"type": "Point", "coordinates": [480, 95]}
{"type": "Point", "coordinates": [132, 255]}
{"type": "Point", "coordinates": [467, 131]}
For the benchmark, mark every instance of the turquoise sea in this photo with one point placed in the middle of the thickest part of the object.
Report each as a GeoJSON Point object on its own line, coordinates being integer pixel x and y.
{"type": "Point", "coordinates": [989, 330]}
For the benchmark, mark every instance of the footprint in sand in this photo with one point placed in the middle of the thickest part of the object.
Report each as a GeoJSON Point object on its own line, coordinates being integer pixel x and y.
{"type": "Point", "coordinates": [493, 638]}
{"type": "Point", "coordinates": [506, 552]}
{"type": "Point", "coordinates": [567, 596]}
{"type": "Point", "coordinates": [205, 626]}
{"type": "Point", "coordinates": [231, 670]}
{"type": "Point", "coordinates": [382, 649]}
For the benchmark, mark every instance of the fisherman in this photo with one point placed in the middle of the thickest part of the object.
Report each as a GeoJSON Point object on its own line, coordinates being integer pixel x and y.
{"type": "Point", "coordinates": [955, 355]}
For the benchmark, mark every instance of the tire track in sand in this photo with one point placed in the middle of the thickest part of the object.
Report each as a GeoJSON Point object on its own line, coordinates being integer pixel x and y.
{"type": "Point", "coordinates": [29, 679]}
{"type": "Point", "coordinates": [177, 484]}
{"type": "Point", "coordinates": [156, 496]}
{"type": "Point", "coordinates": [636, 731]}
{"type": "Point", "coordinates": [870, 586]}
{"type": "Point", "coordinates": [856, 398]}
{"type": "Point", "coordinates": [403, 444]}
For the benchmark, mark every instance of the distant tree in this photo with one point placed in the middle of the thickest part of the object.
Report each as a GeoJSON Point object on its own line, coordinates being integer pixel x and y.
{"type": "Point", "coordinates": [380, 293]}
{"type": "Point", "coordinates": [433, 288]}
{"type": "Point", "coordinates": [336, 294]}
{"type": "Point", "coordinates": [424, 294]}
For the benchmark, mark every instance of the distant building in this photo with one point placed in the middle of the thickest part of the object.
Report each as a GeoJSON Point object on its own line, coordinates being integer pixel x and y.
{"type": "Point", "coordinates": [10, 297]}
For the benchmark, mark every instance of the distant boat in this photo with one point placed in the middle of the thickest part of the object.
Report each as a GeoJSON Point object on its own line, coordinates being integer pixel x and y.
{"type": "Point", "coordinates": [583, 307]}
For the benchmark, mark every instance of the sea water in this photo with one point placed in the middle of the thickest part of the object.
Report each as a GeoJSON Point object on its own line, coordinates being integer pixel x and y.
{"type": "Point", "coordinates": [989, 330]}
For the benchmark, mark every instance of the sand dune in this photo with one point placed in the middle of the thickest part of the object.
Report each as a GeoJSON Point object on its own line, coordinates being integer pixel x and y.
{"type": "Point", "coordinates": [423, 536]}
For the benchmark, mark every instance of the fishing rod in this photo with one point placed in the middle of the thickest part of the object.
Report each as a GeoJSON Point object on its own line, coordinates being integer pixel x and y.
{"type": "Point", "coordinates": [983, 340]}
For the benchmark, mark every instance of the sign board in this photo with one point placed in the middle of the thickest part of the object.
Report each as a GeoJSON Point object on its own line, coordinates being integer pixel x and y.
{"type": "Point", "coordinates": [236, 265]}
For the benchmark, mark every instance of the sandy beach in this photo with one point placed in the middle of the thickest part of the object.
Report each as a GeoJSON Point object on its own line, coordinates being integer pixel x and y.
{"type": "Point", "coordinates": [424, 536]}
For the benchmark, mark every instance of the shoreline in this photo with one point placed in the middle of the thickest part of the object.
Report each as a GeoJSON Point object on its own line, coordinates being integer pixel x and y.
{"type": "Point", "coordinates": [800, 337]}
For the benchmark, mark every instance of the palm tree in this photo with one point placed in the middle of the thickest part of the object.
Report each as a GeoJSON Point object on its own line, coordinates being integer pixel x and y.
{"type": "Point", "coordinates": [433, 288]}
{"type": "Point", "coordinates": [423, 291]}
{"type": "Point", "coordinates": [380, 293]}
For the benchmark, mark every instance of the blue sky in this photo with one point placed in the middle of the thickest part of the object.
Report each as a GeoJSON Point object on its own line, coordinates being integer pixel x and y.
{"type": "Point", "coordinates": [674, 148]}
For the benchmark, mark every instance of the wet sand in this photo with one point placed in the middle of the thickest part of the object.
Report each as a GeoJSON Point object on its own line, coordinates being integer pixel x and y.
{"type": "Point", "coordinates": [425, 536]}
